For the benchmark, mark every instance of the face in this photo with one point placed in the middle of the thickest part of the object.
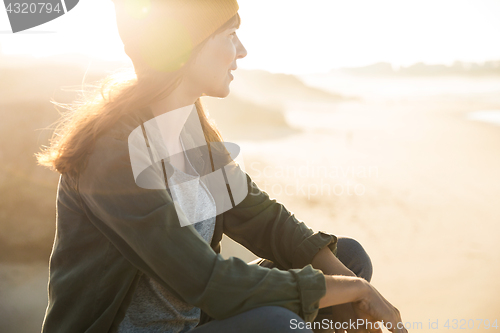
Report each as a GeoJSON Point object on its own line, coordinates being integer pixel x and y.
{"type": "Point", "coordinates": [210, 74]}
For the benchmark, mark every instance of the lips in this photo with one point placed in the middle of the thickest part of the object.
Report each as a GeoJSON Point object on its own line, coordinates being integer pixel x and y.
{"type": "Point", "coordinates": [229, 71]}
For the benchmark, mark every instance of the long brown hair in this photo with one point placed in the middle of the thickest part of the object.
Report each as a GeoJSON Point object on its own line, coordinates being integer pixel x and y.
{"type": "Point", "coordinates": [116, 95]}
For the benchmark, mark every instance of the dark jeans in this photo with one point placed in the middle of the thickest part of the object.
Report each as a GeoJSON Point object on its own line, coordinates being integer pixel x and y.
{"type": "Point", "coordinates": [277, 319]}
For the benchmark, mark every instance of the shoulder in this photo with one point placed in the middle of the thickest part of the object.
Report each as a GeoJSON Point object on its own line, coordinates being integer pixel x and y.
{"type": "Point", "coordinates": [107, 162]}
{"type": "Point", "coordinates": [110, 154]}
{"type": "Point", "coordinates": [114, 144]}
{"type": "Point", "coordinates": [122, 128]}
{"type": "Point", "coordinates": [122, 156]}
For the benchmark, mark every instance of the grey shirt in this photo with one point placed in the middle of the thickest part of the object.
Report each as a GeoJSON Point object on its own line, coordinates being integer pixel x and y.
{"type": "Point", "coordinates": [153, 308]}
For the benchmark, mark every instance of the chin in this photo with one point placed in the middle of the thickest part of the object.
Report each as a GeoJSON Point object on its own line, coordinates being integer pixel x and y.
{"type": "Point", "coordinates": [220, 94]}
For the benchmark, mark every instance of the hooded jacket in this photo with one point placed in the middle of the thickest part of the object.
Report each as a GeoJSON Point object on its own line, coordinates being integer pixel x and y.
{"type": "Point", "coordinates": [109, 231]}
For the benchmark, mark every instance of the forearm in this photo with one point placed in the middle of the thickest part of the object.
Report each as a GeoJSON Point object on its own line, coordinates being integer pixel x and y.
{"type": "Point", "coordinates": [342, 289]}
{"type": "Point", "coordinates": [330, 264]}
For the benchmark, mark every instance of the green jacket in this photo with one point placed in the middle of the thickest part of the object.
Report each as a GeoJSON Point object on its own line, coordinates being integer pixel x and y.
{"type": "Point", "coordinates": [109, 231]}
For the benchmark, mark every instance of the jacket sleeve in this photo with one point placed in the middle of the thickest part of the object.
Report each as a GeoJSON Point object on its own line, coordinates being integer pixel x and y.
{"type": "Point", "coordinates": [143, 224]}
{"type": "Point", "coordinates": [265, 227]}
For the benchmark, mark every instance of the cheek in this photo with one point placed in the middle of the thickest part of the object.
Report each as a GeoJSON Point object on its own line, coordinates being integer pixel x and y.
{"type": "Point", "coordinates": [220, 64]}
{"type": "Point", "coordinates": [217, 59]}
{"type": "Point", "coordinates": [231, 54]}
{"type": "Point", "coordinates": [224, 54]}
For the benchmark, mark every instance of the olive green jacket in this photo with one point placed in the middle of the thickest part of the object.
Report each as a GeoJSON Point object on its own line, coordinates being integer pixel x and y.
{"type": "Point", "coordinates": [109, 231]}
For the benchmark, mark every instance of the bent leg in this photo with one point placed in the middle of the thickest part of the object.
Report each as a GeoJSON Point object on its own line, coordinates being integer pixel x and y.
{"type": "Point", "coordinates": [353, 256]}
{"type": "Point", "coordinates": [264, 319]}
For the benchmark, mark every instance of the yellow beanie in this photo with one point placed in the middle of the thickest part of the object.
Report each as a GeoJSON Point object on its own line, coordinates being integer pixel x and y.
{"type": "Point", "coordinates": [160, 34]}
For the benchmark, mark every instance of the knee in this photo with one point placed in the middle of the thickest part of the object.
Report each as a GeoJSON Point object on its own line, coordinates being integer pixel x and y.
{"type": "Point", "coordinates": [353, 256]}
{"type": "Point", "coordinates": [281, 320]}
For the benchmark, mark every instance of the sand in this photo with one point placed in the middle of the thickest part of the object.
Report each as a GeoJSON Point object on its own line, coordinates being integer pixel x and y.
{"type": "Point", "coordinates": [423, 201]}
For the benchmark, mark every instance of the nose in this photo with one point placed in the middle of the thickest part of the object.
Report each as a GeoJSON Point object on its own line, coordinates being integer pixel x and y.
{"type": "Point", "coordinates": [241, 52]}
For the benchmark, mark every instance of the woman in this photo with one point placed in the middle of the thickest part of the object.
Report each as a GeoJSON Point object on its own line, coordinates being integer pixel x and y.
{"type": "Point", "coordinates": [137, 244]}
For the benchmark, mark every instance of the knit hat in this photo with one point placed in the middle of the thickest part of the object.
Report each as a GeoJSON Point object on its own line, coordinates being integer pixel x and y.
{"type": "Point", "coordinates": [161, 34]}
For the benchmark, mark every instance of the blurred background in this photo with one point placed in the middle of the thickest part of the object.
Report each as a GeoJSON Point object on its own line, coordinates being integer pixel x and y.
{"type": "Point", "coordinates": [378, 120]}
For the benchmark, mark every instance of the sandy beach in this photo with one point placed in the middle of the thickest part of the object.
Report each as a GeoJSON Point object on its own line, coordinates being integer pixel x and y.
{"type": "Point", "coordinates": [409, 176]}
{"type": "Point", "coordinates": [423, 201]}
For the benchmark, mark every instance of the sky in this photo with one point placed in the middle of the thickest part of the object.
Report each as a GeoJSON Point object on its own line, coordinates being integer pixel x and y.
{"type": "Point", "coordinates": [299, 37]}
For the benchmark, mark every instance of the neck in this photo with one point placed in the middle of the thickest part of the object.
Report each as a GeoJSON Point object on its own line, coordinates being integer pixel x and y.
{"type": "Point", "coordinates": [178, 106]}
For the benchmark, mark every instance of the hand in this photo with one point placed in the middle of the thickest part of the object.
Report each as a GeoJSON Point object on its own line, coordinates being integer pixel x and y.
{"type": "Point", "coordinates": [344, 314]}
{"type": "Point", "coordinates": [374, 307]}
